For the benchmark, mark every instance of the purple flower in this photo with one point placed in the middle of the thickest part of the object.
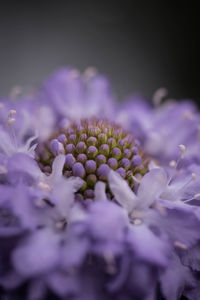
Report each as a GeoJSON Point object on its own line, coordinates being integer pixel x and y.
{"type": "Point", "coordinates": [74, 96]}
{"type": "Point", "coordinates": [105, 203]}
{"type": "Point", "coordinates": [164, 128]}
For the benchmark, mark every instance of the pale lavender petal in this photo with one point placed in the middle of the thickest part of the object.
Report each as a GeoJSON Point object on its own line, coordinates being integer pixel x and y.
{"type": "Point", "coordinates": [154, 182]}
{"type": "Point", "coordinates": [122, 192]}
{"type": "Point", "coordinates": [26, 259]}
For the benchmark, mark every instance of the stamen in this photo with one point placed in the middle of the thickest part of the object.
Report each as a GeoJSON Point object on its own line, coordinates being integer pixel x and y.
{"type": "Point", "coordinates": [187, 115]}
{"type": "Point", "coordinates": [183, 148]}
{"type": "Point", "coordinates": [39, 203]}
{"type": "Point", "coordinates": [44, 186]}
{"type": "Point", "coordinates": [197, 195]}
{"type": "Point", "coordinates": [10, 122]}
{"type": "Point", "coordinates": [160, 208]}
{"type": "Point", "coordinates": [61, 224]}
{"type": "Point", "coordinates": [15, 92]}
{"type": "Point", "coordinates": [194, 176]}
{"type": "Point", "coordinates": [11, 113]}
{"type": "Point", "coordinates": [137, 222]}
{"type": "Point", "coordinates": [3, 170]}
{"type": "Point", "coordinates": [159, 95]}
{"type": "Point", "coordinates": [90, 72]}
{"type": "Point", "coordinates": [10, 118]}
{"type": "Point", "coordinates": [180, 245]}
{"type": "Point", "coordinates": [172, 163]}
{"type": "Point", "coordinates": [74, 74]}
{"type": "Point", "coordinates": [194, 197]}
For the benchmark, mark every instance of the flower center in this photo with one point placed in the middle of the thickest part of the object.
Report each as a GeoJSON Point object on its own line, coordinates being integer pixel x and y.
{"type": "Point", "coordinates": [91, 149]}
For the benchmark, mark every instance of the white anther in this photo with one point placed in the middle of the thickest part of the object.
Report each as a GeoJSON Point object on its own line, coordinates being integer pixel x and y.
{"type": "Point", "coordinates": [44, 186]}
{"type": "Point", "coordinates": [194, 176]}
{"type": "Point", "coordinates": [180, 245]}
{"type": "Point", "coordinates": [137, 222]}
{"type": "Point", "coordinates": [74, 74]}
{"type": "Point", "coordinates": [90, 72]}
{"type": "Point", "coordinates": [187, 115]}
{"type": "Point", "coordinates": [10, 122]}
{"type": "Point", "coordinates": [59, 225]}
{"type": "Point", "coordinates": [136, 214]}
{"type": "Point", "coordinates": [159, 95]}
{"type": "Point", "coordinates": [197, 195]}
{"type": "Point", "coordinates": [183, 148]}
{"type": "Point", "coordinates": [11, 113]}
{"type": "Point", "coordinates": [3, 170]}
{"type": "Point", "coordinates": [172, 163]}
{"type": "Point", "coordinates": [39, 203]}
{"type": "Point", "coordinates": [15, 92]}
{"type": "Point", "coordinates": [160, 208]}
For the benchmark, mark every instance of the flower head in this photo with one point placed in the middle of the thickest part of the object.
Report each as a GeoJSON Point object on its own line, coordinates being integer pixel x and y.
{"type": "Point", "coordinates": [105, 203]}
{"type": "Point", "coordinates": [92, 148]}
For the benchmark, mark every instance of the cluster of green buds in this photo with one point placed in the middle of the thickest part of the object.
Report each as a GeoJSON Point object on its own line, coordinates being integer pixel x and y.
{"type": "Point", "coordinates": [91, 149]}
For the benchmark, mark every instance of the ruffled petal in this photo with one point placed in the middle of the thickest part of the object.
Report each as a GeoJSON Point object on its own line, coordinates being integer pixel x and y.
{"type": "Point", "coordinates": [151, 186]}
{"type": "Point", "coordinates": [21, 163]}
{"type": "Point", "coordinates": [175, 279]}
{"type": "Point", "coordinates": [57, 168]}
{"type": "Point", "coordinates": [180, 231]}
{"type": "Point", "coordinates": [38, 254]}
{"type": "Point", "coordinates": [122, 192]}
{"type": "Point", "coordinates": [148, 246]}
{"type": "Point", "coordinates": [6, 146]}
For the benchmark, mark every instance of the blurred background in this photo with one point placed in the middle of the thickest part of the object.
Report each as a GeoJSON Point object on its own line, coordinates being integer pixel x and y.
{"type": "Point", "coordinates": [140, 46]}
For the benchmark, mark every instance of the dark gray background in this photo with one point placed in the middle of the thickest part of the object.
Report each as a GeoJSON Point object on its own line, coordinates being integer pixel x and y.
{"type": "Point", "coordinates": [140, 46]}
